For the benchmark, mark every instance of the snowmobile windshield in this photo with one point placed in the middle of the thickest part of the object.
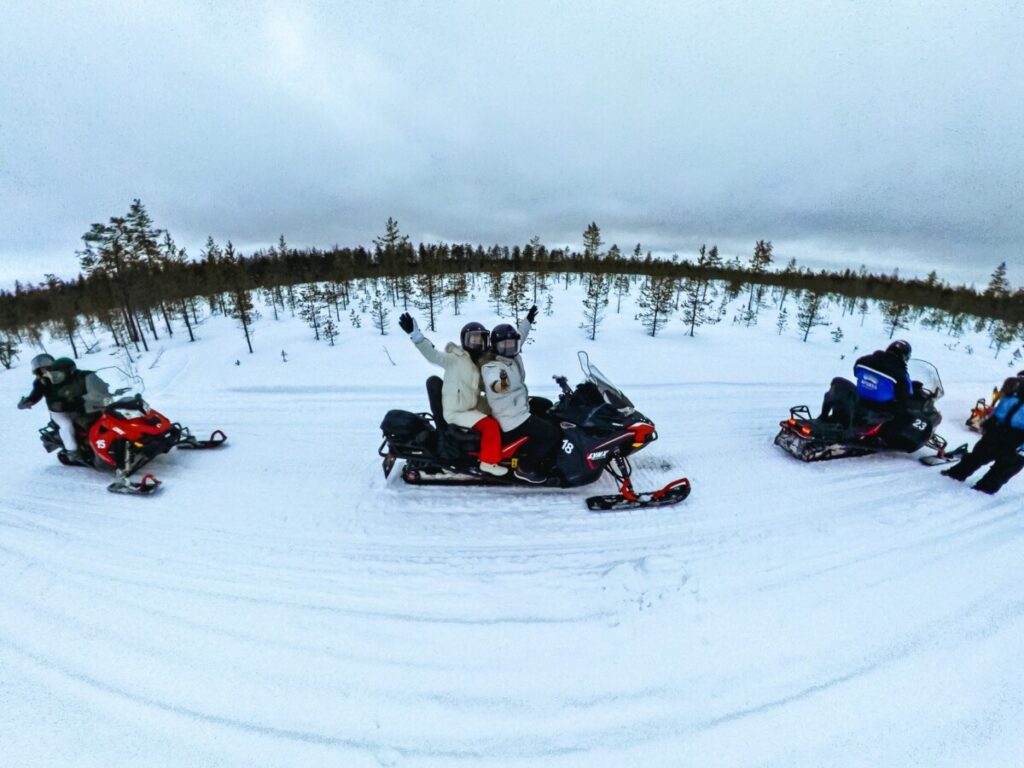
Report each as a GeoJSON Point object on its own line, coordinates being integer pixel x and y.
{"type": "Point", "coordinates": [926, 379]}
{"type": "Point", "coordinates": [125, 409]}
{"type": "Point", "coordinates": [611, 394]}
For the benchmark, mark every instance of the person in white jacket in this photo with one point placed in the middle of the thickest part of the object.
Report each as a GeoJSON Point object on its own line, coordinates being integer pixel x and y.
{"type": "Point", "coordinates": [505, 386]}
{"type": "Point", "coordinates": [462, 400]}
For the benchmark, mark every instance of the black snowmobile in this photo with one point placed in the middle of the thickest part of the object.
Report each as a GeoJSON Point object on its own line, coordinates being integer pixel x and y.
{"type": "Point", "coordinates": [857, 427]}
{"type": "Point", "coordinates": [599, 426]}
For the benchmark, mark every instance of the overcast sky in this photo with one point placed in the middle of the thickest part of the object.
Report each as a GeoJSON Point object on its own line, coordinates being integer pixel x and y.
{"type": "Point", "coordinates": [883, 133]}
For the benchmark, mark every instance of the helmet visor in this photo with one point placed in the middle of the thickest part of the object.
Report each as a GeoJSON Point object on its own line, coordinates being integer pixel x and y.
{"type": "Point", "coordinates": [507, 347]}
{"type": "Point", "coordinates": [475, 340]}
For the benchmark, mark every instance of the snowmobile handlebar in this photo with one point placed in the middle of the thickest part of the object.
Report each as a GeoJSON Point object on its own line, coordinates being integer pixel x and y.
{"type": "Point", "coordinates": [563, 382]}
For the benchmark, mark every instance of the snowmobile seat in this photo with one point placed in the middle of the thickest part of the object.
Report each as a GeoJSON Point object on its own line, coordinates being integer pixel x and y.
{"type": "Point", "coordinates": [434, 385]}
{"type": "Point", "coordinates": [454, 443]}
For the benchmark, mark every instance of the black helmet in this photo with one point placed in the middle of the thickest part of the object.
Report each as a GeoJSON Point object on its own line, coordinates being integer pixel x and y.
{"type": "Point", "coordinates": [900, 348]}
{"type": "Point", "coordinates": [505, 340]}
{"type": "Point", "coordinates": [41, 362]}
{"type": "Point", "coordinates": [474, 338]}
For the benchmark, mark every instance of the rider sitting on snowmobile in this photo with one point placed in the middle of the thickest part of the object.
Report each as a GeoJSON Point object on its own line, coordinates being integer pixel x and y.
{"type": "Point", "coordinates": [883, 385]}
{"type": "Point", "coordinates": [1002, 438]}
{"type": "Point", "coordinates": [461, 393]}
{"type": "Point", "coordinates": [71, 395]}
{"type": "Point", "coordinates": [505, 386]}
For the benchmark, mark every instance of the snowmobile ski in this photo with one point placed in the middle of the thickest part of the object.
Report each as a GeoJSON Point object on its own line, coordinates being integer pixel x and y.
{"type": "Point", "coordinates": [945, 457]}
{"type": "Point", "coordinates": [673, 493]}
{"type": "Point", "coordinates": [189, 442]}
{"type": "Point", "coordinates": [145, 486]}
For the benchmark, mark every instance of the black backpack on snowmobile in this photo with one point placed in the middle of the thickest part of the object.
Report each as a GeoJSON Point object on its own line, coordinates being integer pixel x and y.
{"type": "Point", "coordinates": [599, 429]}
{"type": "Point", "coordinates": [857, 427]}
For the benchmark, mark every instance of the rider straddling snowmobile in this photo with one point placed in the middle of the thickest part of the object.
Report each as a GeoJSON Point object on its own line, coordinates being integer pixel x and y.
{"type": "Point", "coordinates": [884, 411]}
{"type": "Point", "coordinates": [505, 387]}
{"type": "Point", "coordinates": [1000, 443]}
{"type": "Point", "coordinates": [883, 386]}
{"type": "Point", "coordinates": [73, 396]}
{"type": "Point", "coordinates": [461, 393]}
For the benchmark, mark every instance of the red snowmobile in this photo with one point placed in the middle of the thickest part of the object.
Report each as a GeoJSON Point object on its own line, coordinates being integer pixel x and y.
{"type": "Point", "coordinates": [599, 427]}
{"type": "Point", "coordinates": [124, 437]}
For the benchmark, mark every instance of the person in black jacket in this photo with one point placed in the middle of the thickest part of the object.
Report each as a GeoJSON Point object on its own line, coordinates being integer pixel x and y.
{"type": "Point", "coordinates": [1001, 440]}
{"type": "Point", "coordinates": [883, 384]}
{"type": "Point", "coordinates": [70, 394]}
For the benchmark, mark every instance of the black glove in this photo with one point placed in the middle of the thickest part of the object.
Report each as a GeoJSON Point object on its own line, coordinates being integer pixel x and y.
{"type": "Point", "coordinates": [504, 377]}
{"type": "Point", "coordinates": [406, 323]}
{"type": "Point", "coordinates": [532, 314]}
{"type": "Point", "coordinates": [24, 404]}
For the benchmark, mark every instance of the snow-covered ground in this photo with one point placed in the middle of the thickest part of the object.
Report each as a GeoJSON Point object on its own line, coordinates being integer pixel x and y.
{"type": "Point", "coordinates": [278, 603]}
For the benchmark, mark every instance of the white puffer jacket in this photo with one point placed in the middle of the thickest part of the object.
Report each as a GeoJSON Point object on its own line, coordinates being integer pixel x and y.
{"type": "Point", "coordinates": [462, 392]}
{"type": "Point", "coordinates": [509, 398]}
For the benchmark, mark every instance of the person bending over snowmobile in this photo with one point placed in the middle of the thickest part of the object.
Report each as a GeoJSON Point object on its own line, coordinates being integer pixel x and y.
{"type": "Point", "coordinates": [461, 392]}
{"type": "Point", "coordinates": [883, 384]}
{"type": "Point", "coordinates": [505, 386]}
{"type": "Point", "coordinates": [982, 411]}
{"type": "Point", "coordinates": [71, 395]}
{"type": "Point", "coordinates": [1001, 440]}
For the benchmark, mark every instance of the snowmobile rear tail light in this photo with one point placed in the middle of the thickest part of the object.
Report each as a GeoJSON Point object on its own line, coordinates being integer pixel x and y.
{"type": "Point", "coordinates": [805, 430]}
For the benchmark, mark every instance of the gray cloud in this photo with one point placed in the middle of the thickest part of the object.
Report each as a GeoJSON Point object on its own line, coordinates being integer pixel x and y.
{"type": "Point", "coordinates": [834, 127]}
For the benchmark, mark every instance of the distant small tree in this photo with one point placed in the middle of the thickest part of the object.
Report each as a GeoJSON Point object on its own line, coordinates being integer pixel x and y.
{"type": "Point", "coordinates": [355, 319]}
{"type": "Point", "coordinates": [9, 351]}
{"type": "Point", "coordinates": [837, 334]}
{"type": "Point", "coordinates": [782, 321]}
{"type": "Point", "coordinates": [656, 301]}
{"type": "Point", "coordinates": [330, 330]}
{"type": "Point", "coordinates": [594, 302]}
{"type": "Point", "coordinates": [811, 313]}
{"type": "Point", "coordinates": [894, 316]}
{"type": "Point", "coordinates": [457, 290]}
{"type": "Point", "coordinates": [380, 314]}
{"type": "Point", "coordinates": [1002, 333]}
{"type": "Point", "coordinates": [862, 309]}
{"type": "Point", "coordinates": [998, 285]}
{"type": "Point", "coordinates": [515, 294]}
{"type": "Point", "coordinates": [311, 308]}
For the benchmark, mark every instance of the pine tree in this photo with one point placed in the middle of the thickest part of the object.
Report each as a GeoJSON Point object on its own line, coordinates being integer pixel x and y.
{"type": "Point", "coordinates": [380, 313]}
{"type": "Point", "coordinates": [9, 350]}
{"type": "Point", "coordinates": [998, 285]}
{"type": "Point", "coordinates": [330, 330]}
{"type": "Point", "coordinates": [592, 242]}
{"type": "Point", "coordinates": [1002, 333]}
{"type": "Point", "coordinates": [240, 305]}
{"type": "Point", "coordinates": [515, 294]}
{"type": "Point", "coordinates": [430, 296]}
{"type": "Point", "coordinates": [782, 321]}
{"type": "Point", "coordinates": [697, 304]}
{"type": "Point", "coordinates": [457, 289]}
{"type": "Point", "coordinates": [811, 313]}
{"type": "Point", "coordinates": [311, 308]}
{"type": "Point", "coordinates": [894, 316]}
{"type": "Point", "coordinates": [759, 264]}
{"type": "Point", "coordinates": [594, 303]}
{"type": "Point", "coordinates": [655, 302]}
{"type": "Point", "coordinates": [837, 334]}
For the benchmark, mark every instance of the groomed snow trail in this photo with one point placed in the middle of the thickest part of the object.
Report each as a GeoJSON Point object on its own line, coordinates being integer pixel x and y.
{"type": "Point", "coordinates": [278, 603]}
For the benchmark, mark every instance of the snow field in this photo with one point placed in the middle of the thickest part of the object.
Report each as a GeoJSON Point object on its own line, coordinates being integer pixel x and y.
{"type": "Point", "coordinates": [278, 603]}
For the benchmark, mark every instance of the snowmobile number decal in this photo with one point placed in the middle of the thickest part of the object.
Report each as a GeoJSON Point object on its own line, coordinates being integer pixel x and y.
{"type": "Point", "coordinates": [567, 447]}
{"type": "Point", "coordinates": [101, 444]}
{"type": "Point", "coordinates": [919, 425]}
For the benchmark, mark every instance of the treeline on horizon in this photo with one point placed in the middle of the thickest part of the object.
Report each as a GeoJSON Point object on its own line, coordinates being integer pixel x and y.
{"type": "Point", "coordinates": [135, 280]}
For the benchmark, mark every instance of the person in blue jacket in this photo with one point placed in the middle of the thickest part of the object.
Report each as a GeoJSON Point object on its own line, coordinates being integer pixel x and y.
{"type": "Point", "coordinates": [1001, 441]}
